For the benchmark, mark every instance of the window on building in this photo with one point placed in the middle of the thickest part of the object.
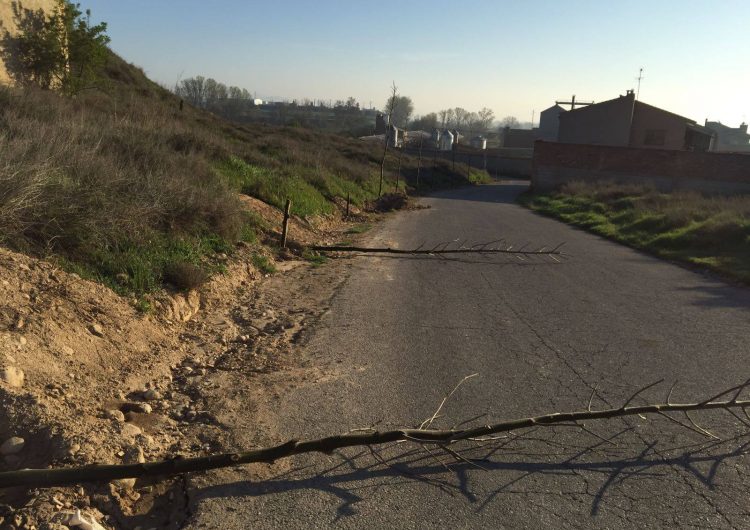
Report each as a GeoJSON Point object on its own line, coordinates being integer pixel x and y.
{"type": "Point", "coordinates": [655, 137]}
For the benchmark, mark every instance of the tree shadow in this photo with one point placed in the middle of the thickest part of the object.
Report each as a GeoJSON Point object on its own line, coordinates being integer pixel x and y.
{"type": "Point", "coordinates": [369, 469]}
{"type": "Point", "coordinates": [494, 260]}
{"type": "Point", "coordinates": [13, 46]}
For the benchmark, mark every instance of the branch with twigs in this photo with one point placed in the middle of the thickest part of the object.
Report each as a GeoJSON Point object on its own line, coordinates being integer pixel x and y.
{"type": "Point", "coordinates": [423, 435]}
{"type": "Point", "coordinates": [491, 247]}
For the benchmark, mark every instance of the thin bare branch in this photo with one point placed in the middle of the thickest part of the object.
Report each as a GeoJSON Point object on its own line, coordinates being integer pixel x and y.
{"type": "Point", "coordinates": [641, 391]}
{"type": "Point", "coordinates": [368, 437]}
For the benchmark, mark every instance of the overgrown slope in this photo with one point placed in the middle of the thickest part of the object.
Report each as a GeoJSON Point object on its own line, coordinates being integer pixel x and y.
{"type": "Point", "coordinates": [123, 186]}
{"type": "Point", "coordinates": [710, 231]}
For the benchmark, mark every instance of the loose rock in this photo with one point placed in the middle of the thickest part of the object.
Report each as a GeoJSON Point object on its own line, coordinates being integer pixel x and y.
{"type": "Point", "coordinates": [151, 394]}
{"type": "Point", "coordinates": [133, 455]}
{"type": "Point", "coordinates": [116, 415]}
{"type": "Point", "coordinates": [12, 376]}
{"type": "Point", "coordinates": [130, 431]}
{"type": "Point", "coordinates": [12, 446]}
{"type": "Point", "coordinates": [96, 329]}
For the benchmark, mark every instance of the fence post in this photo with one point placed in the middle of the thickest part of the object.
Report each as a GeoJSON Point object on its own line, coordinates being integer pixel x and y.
{"type": "Point", "coordinates": [285, 225]}
{"type": "Point", "coordinates": [348, 200]}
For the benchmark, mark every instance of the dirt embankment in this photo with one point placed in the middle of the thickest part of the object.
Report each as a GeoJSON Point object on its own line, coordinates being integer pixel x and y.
{"type": "Point", "coordinates": [87, 378]}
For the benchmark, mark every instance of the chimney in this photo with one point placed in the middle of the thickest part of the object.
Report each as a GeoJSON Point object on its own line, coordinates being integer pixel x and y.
{"type": "Point", "coordinates": [743, 128]}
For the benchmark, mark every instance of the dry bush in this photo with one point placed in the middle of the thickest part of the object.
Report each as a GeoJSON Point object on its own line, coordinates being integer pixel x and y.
{"type": "Point", "coordinates": [185, 275]}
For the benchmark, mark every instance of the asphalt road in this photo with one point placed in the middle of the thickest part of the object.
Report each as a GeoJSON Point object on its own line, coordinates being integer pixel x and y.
{"type": "Point", "coordinates": [402, 331]}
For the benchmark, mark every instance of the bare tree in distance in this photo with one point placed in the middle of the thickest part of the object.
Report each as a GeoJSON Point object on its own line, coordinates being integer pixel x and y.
{"type": "Point", "coordinates": [510, 121]}
{"type": "Point", "coordinates": [391, 107]}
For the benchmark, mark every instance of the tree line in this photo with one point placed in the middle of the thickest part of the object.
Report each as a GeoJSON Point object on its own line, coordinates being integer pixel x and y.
{"type": "Point", "coordinates": [479, 122]}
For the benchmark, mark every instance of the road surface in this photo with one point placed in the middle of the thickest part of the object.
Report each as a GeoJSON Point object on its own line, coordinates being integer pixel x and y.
{"type": "Point", "coordinates": [403, 330]}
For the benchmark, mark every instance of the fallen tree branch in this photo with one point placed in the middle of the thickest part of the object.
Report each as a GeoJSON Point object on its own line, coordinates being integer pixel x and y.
{"type": "Point", "coordinates": [367, 437]}
{"type": "Point", "coordinates": [442, 248]}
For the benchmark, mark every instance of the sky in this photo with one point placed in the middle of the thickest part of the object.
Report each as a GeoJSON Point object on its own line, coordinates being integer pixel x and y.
{"type": "Point", "coordinates": [515, 57]}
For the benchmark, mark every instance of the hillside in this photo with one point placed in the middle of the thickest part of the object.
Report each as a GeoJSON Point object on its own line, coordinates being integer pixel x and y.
{"type": "Point", "coordinates": [122, 186]}
{"type": "Point", "coordinates": [136, 242]}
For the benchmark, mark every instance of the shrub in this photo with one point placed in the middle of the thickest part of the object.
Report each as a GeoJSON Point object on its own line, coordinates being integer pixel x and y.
{"type": "Point", "coordinates": [185, 276]}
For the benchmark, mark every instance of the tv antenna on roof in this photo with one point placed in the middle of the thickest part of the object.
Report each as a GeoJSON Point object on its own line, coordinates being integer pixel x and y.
{"type": "Point", "coordinates": [640, 76]}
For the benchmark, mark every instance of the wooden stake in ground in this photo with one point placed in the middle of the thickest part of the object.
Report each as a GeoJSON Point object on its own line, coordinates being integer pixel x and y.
{"type": "Point", "coordinates": [419, 160]}
{"type": "Point", "coordinates": [285, 224]}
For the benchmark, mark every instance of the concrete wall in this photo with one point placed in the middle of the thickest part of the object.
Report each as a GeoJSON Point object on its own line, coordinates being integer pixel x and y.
{"type": "Point", "coordinates": [8, 21]}
{"type": "Point", "coordinates": [555, 164]}
{"type": "Point", "coordinates": [606, 123]}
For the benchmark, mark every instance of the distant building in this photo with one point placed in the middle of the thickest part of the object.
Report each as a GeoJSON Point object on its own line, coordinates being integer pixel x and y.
{"type": "Point", "coordinates": [478, 142]}
{"type": "Point", "coordinates": [626, 122]}
{"type": "Point", "coordinates": [519, 138]}
{"type": "Point", "coordinates": [380, 123]}
{"type": "Point", "coordinates": [730, 138]}
{"type": "Point", "coordinates": [549, 123]}
{"type": "Point", "coordinates": [446, 140]}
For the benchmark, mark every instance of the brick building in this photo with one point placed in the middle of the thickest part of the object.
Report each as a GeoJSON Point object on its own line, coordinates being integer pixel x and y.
{"type": "Point", "coordinates": [623, 121]}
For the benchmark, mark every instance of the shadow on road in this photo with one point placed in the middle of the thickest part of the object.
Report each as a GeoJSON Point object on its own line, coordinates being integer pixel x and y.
{"type": "Point", "coordinates": [603, 465]}
{"type": "Point", "coordinates": [494, 260]}
{"type": "Point", "coordinates": [504, 192]}
{"type": "Point", "coordinates": [719, 295]}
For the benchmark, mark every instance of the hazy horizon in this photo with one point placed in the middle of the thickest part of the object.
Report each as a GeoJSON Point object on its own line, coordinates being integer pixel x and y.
{"type": "Point", "coordinates": [514, 59]}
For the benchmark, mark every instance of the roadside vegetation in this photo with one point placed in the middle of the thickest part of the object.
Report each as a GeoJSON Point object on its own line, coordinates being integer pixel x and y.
{"type": "Point", "coordinates": [706, 230]}
{"type": "Point", "coordinates": [123, 184]}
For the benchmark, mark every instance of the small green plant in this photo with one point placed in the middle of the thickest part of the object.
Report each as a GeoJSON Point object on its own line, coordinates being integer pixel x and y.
{"type": "Point", "coordinates": [263, 264]}
{"type": "Point", "coordinates": [316, 259]}
{"type": "Point", "coordinates": [143, 306]}
{"type": "Point", "coordinates": [359, 229]}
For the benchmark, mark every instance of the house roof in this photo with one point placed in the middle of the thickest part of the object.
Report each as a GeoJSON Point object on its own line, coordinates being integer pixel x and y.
{"type": "Point", "coordinates": [688, 120]}
{"type": "Point", "coordinates": [556, 107]}
{"type": "Point", "coordinates": [700, 129]}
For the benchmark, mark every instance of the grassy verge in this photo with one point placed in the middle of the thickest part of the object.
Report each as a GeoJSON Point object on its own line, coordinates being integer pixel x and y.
{"type": "Point", "coordinates": [708, 231]}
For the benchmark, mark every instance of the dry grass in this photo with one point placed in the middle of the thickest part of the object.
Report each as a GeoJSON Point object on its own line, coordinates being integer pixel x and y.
{"type": "Point", "coordinates": [712, 231]}
{"type": "Point", "coordinates": [121, 182]}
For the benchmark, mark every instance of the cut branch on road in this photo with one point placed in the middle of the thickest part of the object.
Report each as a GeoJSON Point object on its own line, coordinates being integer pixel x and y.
{"type": "Point", "coordinates": [366, 437]}
{"type": "Point", "coordinates": [444, 248]}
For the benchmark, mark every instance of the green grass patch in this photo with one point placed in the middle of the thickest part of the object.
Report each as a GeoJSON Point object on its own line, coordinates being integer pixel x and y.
{"type": "Point", "coordinates": [359, 229]}
{"type": "Point", "coordinates": [270, 186]}
{"type": "Point", "coordinates": [143, 267]}
{"type": "Point", "coordinates": [705, 230]}
{"type": "Point", "coordinates": [315, 258]}
{"type": "Point", "coordinates": [263, 264]}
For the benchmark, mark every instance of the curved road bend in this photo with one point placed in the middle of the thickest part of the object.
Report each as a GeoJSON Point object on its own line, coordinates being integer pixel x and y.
{"type": "Point", "coordinates": [403, 331]}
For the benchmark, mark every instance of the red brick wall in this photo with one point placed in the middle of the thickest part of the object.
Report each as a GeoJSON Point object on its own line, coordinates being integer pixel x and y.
{"type": "Point", "coordinates": [555, 163]}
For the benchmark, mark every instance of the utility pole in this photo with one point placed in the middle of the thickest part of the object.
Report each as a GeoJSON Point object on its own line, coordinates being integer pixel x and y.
{"type": "Point", "coordinates": [573, 103]}
{"type": "Point", "coordinates": [640, 76]}
{"type": "Point", "coordinates": [533, 112]}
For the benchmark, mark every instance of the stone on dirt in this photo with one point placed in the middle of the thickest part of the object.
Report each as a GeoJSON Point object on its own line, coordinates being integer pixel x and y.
{"type": "Point", "coordinates": [12, 376]}
{"type": "Point", "coordinates": [12, 446]}
{"type": "Point", "coordinates": [116, 415]}
{"type": "Point", "coordinates": [96, 329]}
